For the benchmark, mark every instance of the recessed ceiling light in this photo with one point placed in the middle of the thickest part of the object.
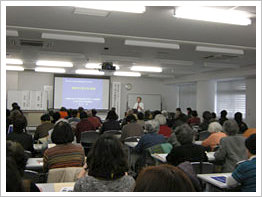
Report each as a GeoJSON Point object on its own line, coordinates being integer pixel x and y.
{"type": "Point", "coordinates": [146, 69]}
{"type": "Point", "coordinates": [50, 70]}
{"type": "Point", "coordinates": [11, 33]}
{"type": "Point", "coordinates": [219, 50]}
{"type": "Point", "coordinates": [14, 68]}
{"type": "Point", "coordinates": [127, 74]}
{"type": "Point", "coordinates": [89, 72]}
{"type": "Point", "coordinates": [54, 63]}
{"type": "Point", "coordinates": [151, 44]}
{"type": "Point", "coordinates": [14, 61]}
{"type": "Point", "coordinates": [132, 8]}
{"type": "Point", "coordinates": [78, 38]}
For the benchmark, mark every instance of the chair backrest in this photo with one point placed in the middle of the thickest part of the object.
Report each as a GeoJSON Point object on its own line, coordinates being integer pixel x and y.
{"type": "Point", "coordinates": [32, 175]}
{"type": "Point", "coordinates": [203, 167]}
{"type": "Point", "coordinates": [28, 153]}
{"type": "Point", "coordinates": [115, 132]}
{"type": "Point", "coordinates": [203, 135]}
{"type": "Point", "coordinates": [132, 139]}
{"type": "Point", "coordinates": [89, 137]}
{"type": "Point", "coordinates": [58, 175]}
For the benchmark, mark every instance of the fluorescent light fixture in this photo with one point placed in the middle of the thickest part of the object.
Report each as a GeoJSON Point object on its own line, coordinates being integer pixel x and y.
{"type": "Point", "coordinates": [146, 69]}
{"type": "Point", "coordinates": [11, 33]}
{"type": "Point", "coordinates": [177, 62]}
{"type": "Point", "coordinates": [99, 66]}
{"type": "Point", "coordinates": [14, 68]}
{"type": "Point", "coordinates": [219, 65]}
{"type": "Point", "coordinates": [151, 44]}
{"type": "Point", "coordinates": [73, 38]}
{"type": "Point", "coordinates": [89, 72]}
{"type": "Point", "coordinates": [228, 16]}
{"type": "Point", "coordinates": [91, 12]}
{"type": "Point", "coordinates": [14, 61]}
{"type": "Point", "coordinates": [127, 74]}
{"type": "Point", "coordinates": [50, 70]}
{"type": "Point", "coordinates": [53, 63]}
{"type": "Point", "coordinates": [132, 8]}
{"type": "Point", "coordinates": [219, 50]}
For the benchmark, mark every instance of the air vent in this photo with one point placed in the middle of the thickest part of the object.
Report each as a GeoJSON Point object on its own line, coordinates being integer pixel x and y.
{"type": "Point", "coordinates": [31, 43]}
{"type": "Point", "coordinates": [221, 57]}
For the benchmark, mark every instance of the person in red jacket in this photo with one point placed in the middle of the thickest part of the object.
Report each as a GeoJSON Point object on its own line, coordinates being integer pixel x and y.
{"type": "Point", "coordinates": [94, 120]}
{"type": "Point", "coordinates": [163, 129]}
{"type": "Point", "coordinates": [83, 125]}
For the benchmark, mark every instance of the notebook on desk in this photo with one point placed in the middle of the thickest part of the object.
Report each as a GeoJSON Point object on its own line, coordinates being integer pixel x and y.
{"type": "Point", "coordinates": [220, 178]}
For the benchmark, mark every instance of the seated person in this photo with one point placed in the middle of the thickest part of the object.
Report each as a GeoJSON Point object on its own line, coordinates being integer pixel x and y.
{"type": "Point", "coordinates": [74, 117]}
{"type": "Point", "coordinates": [151, 138]}
{"type": "Point", "coordinates": [194, 120]}
{"type": "Point", "coordinates": [19, 135]}
{"type": "Point", "coordinates": [249, 132]}
{"type": "Point", "coordinates": [94, 112]}
{"type": "Point", "coordinates": [107, 168]}
{"type": "Point", "coordinates": [16, 152]}
{"type": "Point", "coordinates": [216, 134]}
{"type": "Point", "coordinates": [95, 121]}
{"type": "Point", "coordinates": [131, 128]}
{"type": "Point", "coordinates": [44, 127]}
{"type": "Point", "coordinates": [163, 178]}
{"type": "Point", "coordinates": [63, 112]}
{"type": "Point", "coordinates": [207, 116]}
{"type": "Point", "coordinates": [64, 154]}
{"type": "Point", "coordinates": [163, 129]}
{"type": "Point", "coordinates": [187, 151]}
{"type": "Point", "coordinates": [111, 122]}
{"type": "Point", "coordinates": [223, 117]}
{"type": "Point", "coordinates": [140, 121]}
{"type": "Point", "coordinates": [232, 148]}
{"type": "Point", "coordinates": [55, 117]}
{"type": "Point", "coordinates": [83, 125]}
{"type": "Point", "coordinates": [245, 171]}
{"type": "Point", "coordinates": [14, 181]}
{"type": "Point", "coordinates": [148, 115]}
{"type": "Point", "coordinates": [242, 126]}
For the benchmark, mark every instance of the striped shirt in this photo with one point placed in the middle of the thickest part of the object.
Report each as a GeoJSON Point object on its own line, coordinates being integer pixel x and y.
{"type": "Point", "coordinates": [245, 173]}
{"type": "Point", "coordinates": [63, 155]}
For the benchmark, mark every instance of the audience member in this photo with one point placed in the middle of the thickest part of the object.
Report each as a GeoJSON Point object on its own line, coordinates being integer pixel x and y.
{"type": "Point", "coordinates": [140, 120]}
{"type": "Point", "coordinates": [178, 112]}
{"type": "Point", "coordinates": [107, 168]}
{"type": "Point", "coordinates": [124, 121]}
{"type": "Point", "coordinates": [148, 115]}
{"type": "Point", "coordinates": [95, 121]}
{"type": "Point", "coordinates": [74, 117]}
{"type": "Point", "coordinates": [83, 125]}
{"type": "Point", "coordinates": [156, 112]}
{"type": "Point", "coordinates": [232, 148]}
{"type": "Point", "coordinates": [64, 154]}
{"type": "Point", "coordinates": [14, 181]}
{"type": "Point", "coordinates": [189, 112]}
{"type": "Point", "coordinates": [187, 151]}
{"type": "Point", "coordinates": [249, 132]}
{"type": "Point", "coordinates": [94, 112]}
{"type": "Point", "coordinates": [56, 116]}
{"type": "Point", "coordinates": [131, 129]}
{"type": "Point", "coordinates": [63, 112]}
{"type": "Point", "coordinates": [216, 134]}
{"type": "Point", "coordinates": [223, 117]}
{"type": "Point", "coordinates": [44, 127]}
{"type": "Point", "coordinates": [69, 112]}
{"type": "Point", "coordinates": [213, 117]}
{"type": "Point", "coordinates": [163, 129]}
{"type": "Point", "coordinates": [181, 119]}
{"type": "Point", "coordinates": [245, 171]}
{"type": "Point", "coordinates": [163, 178]}
{"type": "Point", "coordinates": [242, 126]}
{"type": "Point", "coordinates": [206, 120]}
{"type": "Point", "coordinates": [80, 110]}
{"type": "Point", "coordinates": [194, 120]}
{"type": "Point", "coordinates": [111, 122]}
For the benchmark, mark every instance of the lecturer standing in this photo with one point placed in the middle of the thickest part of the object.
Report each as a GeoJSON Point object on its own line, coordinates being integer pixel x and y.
{"type": "Point", "coordinates": [139, 106]}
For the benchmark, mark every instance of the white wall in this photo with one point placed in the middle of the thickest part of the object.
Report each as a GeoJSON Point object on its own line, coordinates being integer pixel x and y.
{"type": "Point", "coordinates": [251, 102]}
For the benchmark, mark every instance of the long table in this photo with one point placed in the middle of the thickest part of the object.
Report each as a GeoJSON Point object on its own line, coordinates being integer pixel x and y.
{"type": "Point", "coordinates": [56, 187]}
{"type": "Point", "coordinates": [34, 164]}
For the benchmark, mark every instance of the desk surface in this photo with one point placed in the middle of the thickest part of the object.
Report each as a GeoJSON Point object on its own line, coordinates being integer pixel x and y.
{"type": "Point", "coordinates": [55, 187]}
{"type": "Point", "coordinates": [198, 142]}
{"type": "Point", "coordinates": [34, 163]}
{"type": "Point", "coordinates": [208, 178]}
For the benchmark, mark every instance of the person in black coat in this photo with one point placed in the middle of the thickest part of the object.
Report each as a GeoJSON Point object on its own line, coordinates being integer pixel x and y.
{"type": "Point", "coordinates": [242, 126]}
{"type": "Point", "coordinates": [187, 151]}
{"type": "Point", "coordinates": [111, 122]}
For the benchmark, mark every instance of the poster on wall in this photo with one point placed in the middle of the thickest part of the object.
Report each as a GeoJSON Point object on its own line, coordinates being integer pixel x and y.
{"type": "Point", "coordinates": [116, 96]}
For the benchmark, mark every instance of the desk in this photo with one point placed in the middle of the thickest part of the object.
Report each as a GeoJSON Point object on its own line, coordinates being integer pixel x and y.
{"type": "Point", "coordinates": [198, 142]}
{"type": "Point", "coordinates": [38, 147]}
{"type": "Point", "coordinates": [212, 182]}
{"type": "Point", "coordinates": [55, 187]}
{"type": "Point", "coordinates": [34, 163]}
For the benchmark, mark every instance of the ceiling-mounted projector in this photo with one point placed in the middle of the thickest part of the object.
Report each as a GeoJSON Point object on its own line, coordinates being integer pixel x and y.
{"type": "Point", "coordinates": [108, 66]}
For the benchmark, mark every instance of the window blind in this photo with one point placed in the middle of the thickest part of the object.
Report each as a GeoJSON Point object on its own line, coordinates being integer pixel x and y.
{"type": "Point", "coordinates": [187, 96]}
{"type": "Point", "coordinates": [231, 96]}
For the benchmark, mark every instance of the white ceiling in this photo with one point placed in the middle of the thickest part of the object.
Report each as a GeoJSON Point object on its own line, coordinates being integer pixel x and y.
{"type": "Point", "coordinates": [157, 24]}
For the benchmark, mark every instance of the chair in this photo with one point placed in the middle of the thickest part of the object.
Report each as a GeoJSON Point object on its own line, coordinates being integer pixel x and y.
{"type": "Point", "coordinates": [116, 133]}
{"type": "Point", "coordinates": [32, 175]}
{"type": "Point", "coordinates": [88, 138]}
{"type": "Point", "coordinates": [132, 139]}
{"type": "Point", "coordinates": [28, 153]}
{"type": "Point", "coordinates": [203, 135]}
{"type": "Point", "coordinates": [58, 175]}
{"type": "Point", "coordinates": [203, 167]}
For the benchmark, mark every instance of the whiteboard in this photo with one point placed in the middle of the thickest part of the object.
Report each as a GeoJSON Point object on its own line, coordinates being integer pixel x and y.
{"type": "Point", "coordinates": [151, 101]}
{"type": "Point", "coordinates": [27, 100]}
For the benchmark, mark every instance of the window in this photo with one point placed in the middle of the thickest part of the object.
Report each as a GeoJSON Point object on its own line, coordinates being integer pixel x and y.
{"type": "Point", "coordinates": [187, 96]}
{"type": "Point", "coordinates": [231, 96]}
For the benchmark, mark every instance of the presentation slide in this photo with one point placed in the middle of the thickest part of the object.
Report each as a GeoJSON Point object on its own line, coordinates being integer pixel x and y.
{"type": "Point", "coordinates": [88, 93]}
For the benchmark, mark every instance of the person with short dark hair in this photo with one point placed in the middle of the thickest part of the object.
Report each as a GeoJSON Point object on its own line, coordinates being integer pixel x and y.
{"type": "Point", "coordinates": [94, 112]}
{"type": "Point", "coordinates": [206, 121]}
{"type": "Point", "coordinates": [148, 115]}
{"type": "Point", "coordinates": [194, 120]}
{"type": "Point", "coordinates": [74, 117]}
{"type": "Point", "coordinates": [107, 168]}
{"type": "Point", "coordinates": [44, 127]}
{"type": "Point", "coordinates": [63, 112]}
{"type": "Point", "coordinates": [245, 171]}
{"type": "Point", "coordinates": [83, 125]}
{"type": "Point", "coordinates": [242, 126]}
{"type": "Point", "coordinates": [64, 154]}
{"type": "Point", "coordinates": [140, 119]}
{"type": "Point", "coordinates": [19, 134]}
{"type": "Point", "coordinates": [163, 178]}
{"type": "Point", "coordinates": [56, 116]}
{"type": "Point", "coordinates": [187, 151]}
{"type": "Point", "coordinates": [232, 148]}
{"type": "Point", "coordinates": [189, 112]}
{"type": "Point", "coordinates": [214, 117]}
{"type": "Point", "coordinates": [223, 117]}
{"type": "Point", "coordinates": [95, 121]}
{"type": "Point", "coordinates": [111, 122]}
{"type": "Point", "coordinates": [131, 129]}
{"type": "Point", "coordinates": [181, 119]}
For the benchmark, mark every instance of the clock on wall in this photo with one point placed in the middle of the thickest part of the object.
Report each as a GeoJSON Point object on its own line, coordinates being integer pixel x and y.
{"type": "Point", "coordinates": [128, 86]}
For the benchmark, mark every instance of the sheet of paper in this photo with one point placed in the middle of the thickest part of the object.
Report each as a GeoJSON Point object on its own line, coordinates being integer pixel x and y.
{"type": "Point", "coordinates": [66, 189]}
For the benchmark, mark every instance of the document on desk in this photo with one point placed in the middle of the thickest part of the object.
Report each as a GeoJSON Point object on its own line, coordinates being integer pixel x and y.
{"type": "Point", "coordinates": [66, 189]}
{"type": "Point", "coordinates": [220, 178]}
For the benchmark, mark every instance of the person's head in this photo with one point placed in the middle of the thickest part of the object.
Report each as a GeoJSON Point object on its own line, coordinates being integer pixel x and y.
{"type": "Point", "coordinates": [152, 126]}
{"type": "Point", "coordinates": [184, 134]}
{"type": "Point", "coordinates": [62, 109]}
{"type": "Point", "coordinates": [156, 112]}
{"type": "Point", "coordinates": [230, 127]}
{"type": "Point", "coordinates": [16, 151]}
{"type": "Point", "coordinates": [56, 117]}
{"type": "Point", "coordinates": [163, 178]}
{"type": "Point", "coordinates": [139, 99]}
{"type": "Point", "coordinates": [148, 115]}
{"type": "Point", "coordinates": [214, 127]}
{"type": "Point", "coordinates": [130, 119]}
{"type": "Point", "coordinates": [19, 123]}
{"type": "Point", "coordinates": [89, 113]}
{"type": "Point", "coordinates": [165, 113]}
{"type": "Point", "coordinates": [238, 117]}
{"type": "Point", "coordinates": [213, 115]}
{"type": "Point", "coordinates": [62, 133]}
{"type": "Point", "coordinates": [83, 115]}
{"type": "Point", "coordinates": [130, 112]}
{"type": "Point", "coordinates": [178, 110]}
{"type": "Point", "coordinates": [80, 109]}
{"type": "Point", "coordinates": [111, 115]}
{"type": "Point", "coordinates": [113, 109]}
{"type": "Point", "coordinates": [45, 118]}
{"type": "Point", "coordinates": [140, 116]}
{"type": "Point", "coordinates": [189, 110]}
{"type": "Point", "coordinates": [250, 144]}
{"type": "Point", "coordinates": [107, 158]}
{"type": "Point", "coordinates": [223, 113]}
{"type": "Point", "coordinates": [94, 112]}
{"type": "Point", "coordinates": [194, 113]}
{"type": "Point", "coordinates": [74, 113]}
{"type": "Point", "coordinates": [183, 118]}
{"type": "Point", "coordinates": [15, 105]}
{"type": "Point", "coordinates": [161, 119]}
{"type": "Point", "coordinates": [207, 116]}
